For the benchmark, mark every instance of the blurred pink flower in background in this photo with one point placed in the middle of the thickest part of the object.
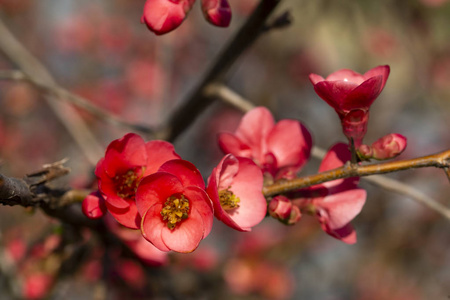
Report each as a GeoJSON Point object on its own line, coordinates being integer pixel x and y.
{"type": "Point", "coordinates": [351, 95]}
{"type": "Point", "coordinates": [235, 188]}
{"type": "Point", "coordinates": [217, 12]}
{"type": "Point", "coordinates": [36, 286]}
{"type": "Point", "coordinates": [279, 149]}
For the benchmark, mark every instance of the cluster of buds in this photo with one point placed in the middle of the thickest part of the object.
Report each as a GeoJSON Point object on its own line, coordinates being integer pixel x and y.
{"type": "Point", "coordinates": [163, 16]}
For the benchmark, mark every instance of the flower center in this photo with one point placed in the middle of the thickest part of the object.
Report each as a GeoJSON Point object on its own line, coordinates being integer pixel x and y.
{"type": "Point", "coordinates": [127, 183]}
{"type": "Point", "coordinates": [228, 200]}
{"type": "Point", "coordinates": [175, 210]}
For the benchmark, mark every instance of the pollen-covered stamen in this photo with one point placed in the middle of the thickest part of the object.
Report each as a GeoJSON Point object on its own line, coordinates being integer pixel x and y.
{"type": "Point", "coordinates": [175, 210]}
{"type": "Point", "coordinates": [228, 200]}
{"type": "Point", "coordinates": [127, 183]}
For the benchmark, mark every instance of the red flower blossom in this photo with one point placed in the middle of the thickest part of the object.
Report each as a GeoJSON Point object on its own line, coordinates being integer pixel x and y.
{"type": "Point", "coordinates": [176, 211]}
{"type": "Point", "coordinates": [351, 95]}
{"type": "Point", "coordinates": [94, 205]}
{"type": "Point", "coordinates": [279, 149]}
{"type": "Point", "coordinates": [127, 160]}
{"type": "Point", "coordinates": [335, 203]}
{"type": "Point", "coordinates": [235, 187]}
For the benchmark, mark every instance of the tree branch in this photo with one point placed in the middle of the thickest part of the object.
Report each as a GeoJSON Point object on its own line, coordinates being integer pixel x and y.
{"type": "Point", "coordinates": [196, 102]}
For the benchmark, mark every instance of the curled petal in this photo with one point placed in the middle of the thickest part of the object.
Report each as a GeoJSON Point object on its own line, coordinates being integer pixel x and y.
{"type": "Point", "coordinates": [334, 92]}
{"type": "Point", "coordinates": [382, 71]}
{"type": "Point", "coordinates": [363, 96]}
{"type": "Point", "coordinates": [346, 234]}
{"type": "Point", "coordinates": [217, 12]}
{"type": "Point", "coordinates": [201, 203]}
{"type": "Point", "coordinates": [229, 143]}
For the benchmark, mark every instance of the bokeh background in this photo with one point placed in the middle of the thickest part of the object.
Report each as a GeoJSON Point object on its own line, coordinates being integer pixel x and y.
{"type": "Point", "coordinates": [99, 50]}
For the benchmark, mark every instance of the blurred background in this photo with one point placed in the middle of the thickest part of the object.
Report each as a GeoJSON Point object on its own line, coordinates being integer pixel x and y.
{"type": "Point", "coordinates": [98, 49]}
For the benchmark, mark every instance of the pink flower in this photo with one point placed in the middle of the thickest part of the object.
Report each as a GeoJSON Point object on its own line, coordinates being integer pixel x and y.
{"type": "Point", "coordinates": [217, 12]}
{"type": "Point", "coordinates": [36, 286]}
{"type": "Point", "coordinates": [176, 211]}
{"type": "Point", "coordinates": [279, 149]}
{"type": "Point", "coordinates": [335, 203]}
{"type": "Point", "coordinates": [127, 160]}
{"type": "Point", "coordinates": [351, 95]}
{"type": "Point", "coordinates": [162, 16]}
{"type": "Point", "coordinates": [235, 188]}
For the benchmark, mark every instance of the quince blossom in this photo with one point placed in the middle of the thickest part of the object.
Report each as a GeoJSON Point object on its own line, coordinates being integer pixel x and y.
{"type": "Point", "coordinates": [351, 95]}
{"type": "Point", "coordinates": [175, 209]}
{"type": "Point", "coordinates": [334, 203]}
{"type": "Point", "coordinates": [279, 149]}
{"type": "Point", "coordinates": [127, 160]}
{"type": "Point", "coordinates": [235, 187]}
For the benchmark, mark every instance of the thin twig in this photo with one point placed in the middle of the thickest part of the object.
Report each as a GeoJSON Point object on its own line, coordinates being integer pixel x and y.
{"type": "Point", "coordinates": [63, 94]}
{"type": "Point", "coordinates": [227, 95]}
{"type": "Point", "coordinates": [196, 102]}
{"type": "Point", "coordinates": [67, 115]}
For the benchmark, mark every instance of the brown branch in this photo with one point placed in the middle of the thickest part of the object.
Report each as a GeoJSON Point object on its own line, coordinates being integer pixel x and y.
{"type": "Point", "coordinates": [64, 95]}
{"type": "Point", "coordinates": [67, 115]}
{"type": "Point", "coordinates": [439, 160]}
{"type": "Point", "coordinates": [196, 102]}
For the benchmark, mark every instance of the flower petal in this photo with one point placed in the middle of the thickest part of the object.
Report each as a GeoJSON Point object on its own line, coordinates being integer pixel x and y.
{"type": "Point", "coordinates": [342, 207]}
{"type": "Point", "coordinates": [186, 172]}
{"type": "Point", "coordinates": [186, 236]}
{"type": "Point", "coordinates": [253, 130]}
{"type": "Point", "coordinates": [200, 202]}
{"type": "Point", "coordinates": [346, 75]}
{"type": "Point", "coordinates": [380, 70]}
{"type": "Point", "coordinates": [163, 16]}
{"type": "Point", "coordinates": [156, 188]}
{"type": "Point", "coordinates": [334, 92]}
{"type": "Point", "coordinates": [346, 234]}
{"type": "Point", "coordinates": [290, 142]}
{"type": "Point", "coordinates": [363, 96]}
{"type": "Point", "coordinates": [128, 217]}
{"type": "Point", "coordinates": [158, 152]}
{"type": "Point", "coordinates": [217, 12]}
{"type": "Point", "coordinates": [314, 78]}
{"type": "Point", "coordinates": [229, 143]}
{"type": "Point", "coordinates": [152, 226]}
{"type": "Point", "coordinates": [124, 154]}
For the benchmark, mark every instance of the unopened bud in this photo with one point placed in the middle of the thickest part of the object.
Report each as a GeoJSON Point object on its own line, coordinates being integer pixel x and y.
{"type": "Point", "coordinates": [94, 206]}
{"type": "Point", "coordinates": [389, 146]}
{"type": "Point", "coordinates": [281, 208]}
{"type": "Point", "coordinates": [217, 12]}
{"type": "Point", "coordinates": [162, 16]}
{"type": "Point", "coordinates": [365, 152]}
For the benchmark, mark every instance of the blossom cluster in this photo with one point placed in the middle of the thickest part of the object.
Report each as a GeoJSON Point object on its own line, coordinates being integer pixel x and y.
{"type": "Point", "coordinates": [149, 188]}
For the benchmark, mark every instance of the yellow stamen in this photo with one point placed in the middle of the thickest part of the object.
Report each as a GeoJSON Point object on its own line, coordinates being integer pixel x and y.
{"type": "Point", "coordinates": [127, 183]}
{"type": "Point", "coordinates": [228, 200]}
{"type": "Point", "coordinates": [175, 210]}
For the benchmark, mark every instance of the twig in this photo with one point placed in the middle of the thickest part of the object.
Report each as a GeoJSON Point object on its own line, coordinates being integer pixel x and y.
{"type": "Point", "coordinates": [196, 102]}
{"type": "Point", "coordinates": [63, 94]}
{"type": "Point", "coordinates": [67, 115]}
{"type": "Point", "coordinates": [439, 160]}
{"type": "Point", "coordinates": [229, 96]}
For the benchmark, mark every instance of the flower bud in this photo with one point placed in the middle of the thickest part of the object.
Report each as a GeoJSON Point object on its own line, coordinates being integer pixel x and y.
{"type": "Point", "coordinates": [217, 12]}
{"type": "Point", "coordinates": [281, 208]}
{"type": "Point", "coordinates": [162, 16]}
{"type": "Point", "coordinates": [389, 146]}
{"type": "Point", "coordinates": [94, 206]}
{"type": "Point", "coordinates": [365, 152]}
